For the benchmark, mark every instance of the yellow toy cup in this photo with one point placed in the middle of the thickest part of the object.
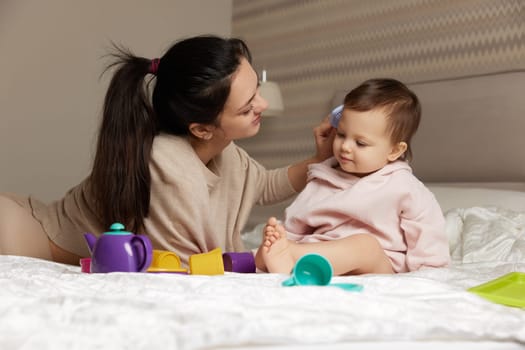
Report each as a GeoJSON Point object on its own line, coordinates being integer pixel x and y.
{"type": "Point", "coordinates": [166, 261]}
{"type": "Point", "coordinates": [209, 263]}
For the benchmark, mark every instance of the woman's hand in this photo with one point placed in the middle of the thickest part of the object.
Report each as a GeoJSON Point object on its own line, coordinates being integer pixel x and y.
{"type": "Point", "coordinates": [324, 135]}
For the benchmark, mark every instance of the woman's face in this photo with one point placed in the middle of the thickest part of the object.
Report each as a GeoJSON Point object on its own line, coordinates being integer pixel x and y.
{"type": "Point", "coordinates": [241, 116]}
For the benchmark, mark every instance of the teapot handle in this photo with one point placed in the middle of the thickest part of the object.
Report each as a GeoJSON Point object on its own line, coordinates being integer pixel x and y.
{"type": "Point", "coordinates": [144, 251]}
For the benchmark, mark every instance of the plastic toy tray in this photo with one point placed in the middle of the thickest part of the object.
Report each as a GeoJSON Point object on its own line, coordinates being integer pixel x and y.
{"type": "Point", "coordinates": [508, 290]}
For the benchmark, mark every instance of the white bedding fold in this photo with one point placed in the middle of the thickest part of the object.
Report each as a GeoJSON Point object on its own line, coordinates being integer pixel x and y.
{"type": "Point", "coordinates": [486, 234]}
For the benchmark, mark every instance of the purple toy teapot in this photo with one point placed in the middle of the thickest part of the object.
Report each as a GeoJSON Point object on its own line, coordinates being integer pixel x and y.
{"type": "Point", "coordinates": [119, 250]}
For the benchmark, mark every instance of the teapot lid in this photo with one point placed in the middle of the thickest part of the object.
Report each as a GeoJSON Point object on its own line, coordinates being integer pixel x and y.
{"type": "Point", "coordinates": [117, 229]}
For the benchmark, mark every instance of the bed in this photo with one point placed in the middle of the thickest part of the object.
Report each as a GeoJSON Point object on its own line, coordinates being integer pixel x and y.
{"type": "Point", "coordinates": [47, 305]}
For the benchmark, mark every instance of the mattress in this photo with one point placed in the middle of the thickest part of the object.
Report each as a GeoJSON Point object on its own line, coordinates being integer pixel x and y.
{"type": "Point", "coordinates": [47, 305]}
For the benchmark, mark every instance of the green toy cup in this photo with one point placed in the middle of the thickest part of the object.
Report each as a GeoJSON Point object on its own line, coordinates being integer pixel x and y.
{"type": "Point", "coordinates": [315, 270]}
{"type": "Point", "coordinates": [310, 270]}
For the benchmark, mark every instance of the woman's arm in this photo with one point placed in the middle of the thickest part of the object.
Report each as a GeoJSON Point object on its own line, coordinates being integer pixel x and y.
{"type": "Point", "coordinates": [324, 136]}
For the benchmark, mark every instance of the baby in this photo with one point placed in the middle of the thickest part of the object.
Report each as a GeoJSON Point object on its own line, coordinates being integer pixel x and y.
{"type": "Point", "coordinates": [363, 209]}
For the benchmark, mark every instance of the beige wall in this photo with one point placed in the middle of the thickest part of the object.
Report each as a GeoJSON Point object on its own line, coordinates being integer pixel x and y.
{"type": "Point", "coordinates": [50, 90]}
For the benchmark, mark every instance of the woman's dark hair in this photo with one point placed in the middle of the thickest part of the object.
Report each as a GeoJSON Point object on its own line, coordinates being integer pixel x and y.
{"type": "Point", "coordinates": [400, 104]}
{"type": "Point", "coordinates": [192, 85]}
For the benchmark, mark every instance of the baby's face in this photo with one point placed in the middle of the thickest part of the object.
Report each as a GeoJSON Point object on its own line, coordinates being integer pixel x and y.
{"type": "Point", "coordinates": [362, 144]}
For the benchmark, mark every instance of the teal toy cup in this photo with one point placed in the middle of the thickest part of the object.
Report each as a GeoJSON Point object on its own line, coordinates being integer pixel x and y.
{"type": "Point", "coordinates": [315, 270]}
{"type": "Point", "coordinates": [310, 270]}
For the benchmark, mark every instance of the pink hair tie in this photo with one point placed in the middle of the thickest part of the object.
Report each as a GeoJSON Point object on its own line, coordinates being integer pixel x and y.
{"type": "Point", "coordinates": [154, 66]}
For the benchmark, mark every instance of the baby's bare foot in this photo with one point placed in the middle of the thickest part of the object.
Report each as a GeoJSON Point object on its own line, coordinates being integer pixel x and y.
{"type": "Point", "coordinates": [278, 259]}
{"type": "Point", "coordinates": [270, 234]}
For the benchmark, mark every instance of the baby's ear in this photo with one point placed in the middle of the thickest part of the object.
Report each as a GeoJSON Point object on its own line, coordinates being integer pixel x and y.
{"type": "Point", "coordinates": [397, 151]}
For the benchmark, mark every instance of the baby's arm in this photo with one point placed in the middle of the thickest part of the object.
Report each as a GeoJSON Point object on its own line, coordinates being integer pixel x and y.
{"type": "Point", "coordinates": [424, 228]}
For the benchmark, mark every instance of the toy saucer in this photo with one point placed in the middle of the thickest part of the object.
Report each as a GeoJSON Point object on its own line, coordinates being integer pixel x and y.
{"type": "Point", "coordinates": [164, 261]}
{"type": "Point", "coordinates": [167, 270]}
{"type": "Point", "coordinates": [508, 290]}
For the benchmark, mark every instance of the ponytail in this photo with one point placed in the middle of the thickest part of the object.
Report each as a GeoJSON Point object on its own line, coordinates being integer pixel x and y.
{"type": "Point", "coordinates": [192, 85]}
{"type": "Point", "coordinates": [120, 180]}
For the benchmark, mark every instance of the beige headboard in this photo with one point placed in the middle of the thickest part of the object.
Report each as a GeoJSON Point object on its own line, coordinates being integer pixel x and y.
{"type": "Point", "coordinates": [472, 130]}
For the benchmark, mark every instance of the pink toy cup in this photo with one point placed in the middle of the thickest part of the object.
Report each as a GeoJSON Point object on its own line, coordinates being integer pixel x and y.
{"type": "Point", "coordinates": [85, 265]}
{"type": "Point", "coordinates": [242, 262]}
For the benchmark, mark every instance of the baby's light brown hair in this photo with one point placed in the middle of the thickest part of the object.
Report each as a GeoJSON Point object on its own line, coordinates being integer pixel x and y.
{"type": "Point", "coordinates": [400, 104]}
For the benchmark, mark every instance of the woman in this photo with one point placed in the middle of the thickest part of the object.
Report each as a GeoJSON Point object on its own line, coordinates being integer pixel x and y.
{"type": "Point", "coordinates": [166, 166]}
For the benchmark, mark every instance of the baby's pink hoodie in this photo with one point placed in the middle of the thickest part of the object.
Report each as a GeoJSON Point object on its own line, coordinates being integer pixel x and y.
{"type": "Point", "coordinates": [391, 204]}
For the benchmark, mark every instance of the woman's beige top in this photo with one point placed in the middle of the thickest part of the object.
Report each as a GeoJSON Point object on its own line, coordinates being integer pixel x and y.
{"type": "Point", "coordinates": [194, 208]}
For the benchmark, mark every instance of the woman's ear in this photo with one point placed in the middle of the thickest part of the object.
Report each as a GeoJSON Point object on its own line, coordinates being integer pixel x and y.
{"type": "Point", "coordinates": [397, 151]}
{"type": "Point", "coordinates": [201, 131]}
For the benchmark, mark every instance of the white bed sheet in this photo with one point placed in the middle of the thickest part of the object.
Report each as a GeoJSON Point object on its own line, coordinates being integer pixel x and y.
{"type": "Point", "coordinates": [51, 306]}
{"type": "Point", "coordinates": [47, 305]}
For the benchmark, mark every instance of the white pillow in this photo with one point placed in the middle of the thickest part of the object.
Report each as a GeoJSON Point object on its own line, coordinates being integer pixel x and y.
{"type": "Point", "coordinates": [450, 197]}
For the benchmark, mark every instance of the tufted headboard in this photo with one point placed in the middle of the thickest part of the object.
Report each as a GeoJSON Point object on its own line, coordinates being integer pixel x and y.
{"type": "Point", "coordinates": [472, 130]}
{"type": "Point", "coordinates": [470, 146]}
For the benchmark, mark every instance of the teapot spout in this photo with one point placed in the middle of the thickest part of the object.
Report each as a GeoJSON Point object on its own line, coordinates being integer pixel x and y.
{"type": "Point", "coordinates": [90, 240]}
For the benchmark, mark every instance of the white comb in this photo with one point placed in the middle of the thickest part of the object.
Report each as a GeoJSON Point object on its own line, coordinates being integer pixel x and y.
{"type": "Point", "coordinates": [336, 115]}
